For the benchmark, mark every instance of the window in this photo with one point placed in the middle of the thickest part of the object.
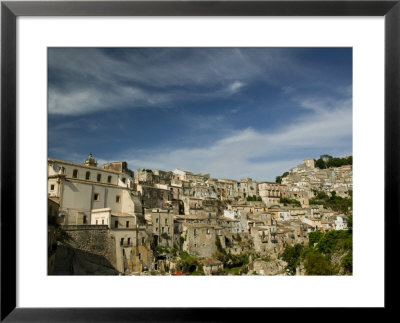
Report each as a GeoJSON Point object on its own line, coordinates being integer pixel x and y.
{"type": "Point", "coordinates": [195, 232]}
{"type": "Point", "coordinates": [118, 199]}
{"type": "Point", "coordinates": [127, 224]}
{"type": "Point", "coordinates": [166, 221]}
{"type": "Point", "coordinates": [140, 256]}
{"type": "Point", "coordinates": [87, 176]}
{"type": "Point", "coordinates": [98, 177]}
{"type": "Point", "coordinates": [102, 221]}
{"type": "Point", "coordinates": [156, 229]}
{"type": "Point", "coordinates": [84, 219]}
{"type": "Point", "coordinates": [162, 229]}
{"type": "Point", "coordinates": [122, 241]}
{"type": "Point", "coordinates": [109, 179]}
{"type": "Point", "coordinates": [168, 229]}
{"type": "Point", "coordinates": [124, 180]}
{"type": "Point", "coordinates": [142, 240]}
{"type": "Point", "coordinates": [129, 241]}
{"type": "Point", "coordinates": [208, 231]}
{"type": "Point", "coordinates": [96, 196]}
{"type": "Point", "coordinates": [157, 220]}
{"type": "Point", "coordinates": [75, 173]}
{"type": "Point", "coordinates": [52, 187]}
{"type": "Point", "coordinates": [116, 224]}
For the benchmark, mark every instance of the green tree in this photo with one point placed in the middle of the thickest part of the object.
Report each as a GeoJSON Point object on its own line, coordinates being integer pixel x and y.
{"type": "Point", "coordinates": [320, 164]}
{"type": "Point", "coordinates": [322, 195]}
{"type": "Point", "coordinates": [347, 262]}
{"type": "Point", "coordinates": [316, 264]}
{"type": "Point", "coordinates": [350, 223]}
{"type": "Point", "coordinates": [314, 237]}
{"type": "Point", "coordinates": [292, 256]}
{"type": "Point", "coordinates": [278, 179]}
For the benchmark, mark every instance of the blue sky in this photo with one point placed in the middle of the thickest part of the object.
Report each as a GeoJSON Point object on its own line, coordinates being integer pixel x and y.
{"type": "Point", "coordinates": [230, 112]}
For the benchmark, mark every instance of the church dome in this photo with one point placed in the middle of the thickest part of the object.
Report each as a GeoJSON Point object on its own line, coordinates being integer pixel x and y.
{"type": "Point", "coordinates": [90, 161]}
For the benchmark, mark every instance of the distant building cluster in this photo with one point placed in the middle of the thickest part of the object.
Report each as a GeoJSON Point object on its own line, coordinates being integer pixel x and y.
{"type": "Point", "coordinates": [137, 211]}
{"type": "Point", "coordinates": [304, 179]}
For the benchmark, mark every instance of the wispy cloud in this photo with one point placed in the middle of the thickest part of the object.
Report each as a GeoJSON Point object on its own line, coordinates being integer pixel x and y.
{"type": "Point", "coordinates": [235, 86]}
{"type": "Point", "coordinates": [88, 80]}
{"type": "Point", "coordinates": [252, 152]}
{"type": "Point", "coordinates": [231, 112]}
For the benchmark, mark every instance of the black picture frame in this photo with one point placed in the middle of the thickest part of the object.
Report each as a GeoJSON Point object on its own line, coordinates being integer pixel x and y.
{"type": "Point", "coordinates": [10, 10]}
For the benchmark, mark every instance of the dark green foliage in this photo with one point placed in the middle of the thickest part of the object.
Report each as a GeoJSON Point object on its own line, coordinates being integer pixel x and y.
{"type": "Point", "coordinates": [278, 179]}
{"type": "Point", "coordinates": [287, 201]}
{"type": "Point", "coordinates": [347, 262]}
{"type": "Point", "coordinates": [254, 198]}
{"type": "Point", "coordinates": [322, 246]}
{"type": "Point", "coordinates": [314, 237]}
{"type": "Point", "coordinates": [333, 202]}
{"type": "Point", "coordinates": [233, 264]}
{"type": "Point", "coordinates": [333, 240]}
{"type": "Point", "coordinates": [320, 164]}
{"type": "Point", "coordinates": [322, 196]}
{"type": "Point", "coordinates": [292, 256]}
{"type": "Point", "coordinates": [316, 264]}
{"type": "Point", "coordinates": [317, 257]}
{"type": "Point", "coordinates": [350, 223]}
{"type": "Point", "coordinates": [327, 161]}
{"type": "Point", "coordinates": [188, 263]}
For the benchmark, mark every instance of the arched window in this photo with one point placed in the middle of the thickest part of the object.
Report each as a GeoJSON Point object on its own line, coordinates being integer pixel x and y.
{"type": "Point", "coordinates": [75, 173]}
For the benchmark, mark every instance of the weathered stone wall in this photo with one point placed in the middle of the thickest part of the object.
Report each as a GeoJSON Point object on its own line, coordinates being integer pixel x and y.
{"type": "Point", "coordinates": [200, 241]}
{"type": "Point", "coordinates": [90, 251]}
{"type": "Point", "coordinates": [273, 267]}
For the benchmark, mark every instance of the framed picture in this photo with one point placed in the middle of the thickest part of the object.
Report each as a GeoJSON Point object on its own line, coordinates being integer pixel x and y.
{"type": "Point", "coordinates": [180, 27]}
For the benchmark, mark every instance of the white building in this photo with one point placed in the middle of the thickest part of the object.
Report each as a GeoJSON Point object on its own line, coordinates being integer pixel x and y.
{"type": "Point", "coordinates": [84, 188]}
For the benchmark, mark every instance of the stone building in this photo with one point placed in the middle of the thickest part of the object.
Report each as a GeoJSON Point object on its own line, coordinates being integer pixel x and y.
{"type": "Point", "coordinates": [133, 249]}
{"type": "Point", "coordinates": [155, 197]}
{"type": "Point", "coordinates": [199, 239]}
{"type": "Point", "coordinates": [247, 187]}
{"type": "Point", "coordinates": [271, 193]}
{"type": "Point", "coordinates": [80, 188]}
{"type": "Point", "coordinates": [144, 176]}
{"type": "Point", "coordinates": [212, 266]}
{"type": "Point", "coordinates": [161, 222]}
{"type": "Point", "coordinates": [94, 198]}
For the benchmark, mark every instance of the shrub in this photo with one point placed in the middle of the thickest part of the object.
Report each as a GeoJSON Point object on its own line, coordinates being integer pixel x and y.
{"type": "Point", "coordinates": [292, 256]}
{"type": "Point", "coordinates": [316, 264]}
{"type": "Point", "coordinates": [314, 237]}
{"type": "Point", "coordinates": [347, 262]}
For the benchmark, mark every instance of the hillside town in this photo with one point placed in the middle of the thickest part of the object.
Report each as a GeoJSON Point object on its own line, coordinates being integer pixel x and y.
{"type": "Point", "coordinates": [111, 220]}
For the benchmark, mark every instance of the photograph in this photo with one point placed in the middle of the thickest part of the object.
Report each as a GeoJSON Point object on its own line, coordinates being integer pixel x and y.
{"type": "Point", "coordinates": [223, 161]}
